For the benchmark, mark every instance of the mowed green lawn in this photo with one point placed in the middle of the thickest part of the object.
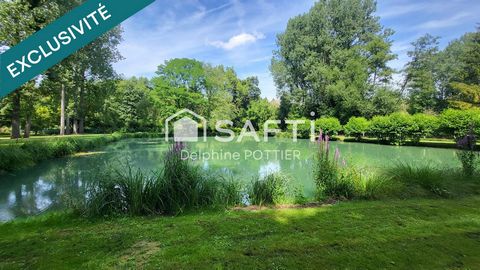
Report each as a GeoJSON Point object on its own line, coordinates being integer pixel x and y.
{"type": "Point", "coordinates": [408, 234]}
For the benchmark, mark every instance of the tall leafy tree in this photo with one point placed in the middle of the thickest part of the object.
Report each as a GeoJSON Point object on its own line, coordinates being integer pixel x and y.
{"type": "Point", "coordinates": [420, 80]}
{"type": "Point", "coordinates": [333, 57]}
{"type": "Point", "coordinates": [18, 20]}
{"type": "Point", "coordinates": [184, 73]}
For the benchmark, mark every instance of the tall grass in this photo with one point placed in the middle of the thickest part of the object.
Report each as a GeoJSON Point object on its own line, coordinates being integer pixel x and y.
{"type": "Point", "coordinates": [179, 186]}
{"type": "Point", "coordinates": [422, 180]}
{"type": "Point", "coordinates": [335, 180]}
{"type": "Point", "coordinates": [269, 190]}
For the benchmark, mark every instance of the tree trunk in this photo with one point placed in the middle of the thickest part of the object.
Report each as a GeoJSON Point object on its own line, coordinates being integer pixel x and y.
{"type": "Point", "coordinates": [68, 130]}
{"type": "Point", "coordinates": [28, 125]}
{"type": "Point", "coordinates": [62, 111]}
{"type": "Point", "coordinates": [81, 111]}
{"type": "Point", "coordinates": [75, 126]}
{"type": "Point", "coordinates": [81, 125]}
{"type": "Point", "coordinates": [16, 115]}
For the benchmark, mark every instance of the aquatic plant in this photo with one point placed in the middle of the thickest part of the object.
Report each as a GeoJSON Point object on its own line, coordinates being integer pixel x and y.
{"type": "Point", "coordinates": [332, 178]}
{"type": "Point", "coordinates": [269, 190]}
{"type": "Point", "coordinates": [428, 178]}
{"type": "Point", "coordinates": [467, 154]}
{"type": "Point", "coordinates": [178, 186]}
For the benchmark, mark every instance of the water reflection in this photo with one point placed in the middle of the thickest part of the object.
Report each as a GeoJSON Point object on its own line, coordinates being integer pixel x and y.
{"type": "Point", "coordinates": [52, 184]}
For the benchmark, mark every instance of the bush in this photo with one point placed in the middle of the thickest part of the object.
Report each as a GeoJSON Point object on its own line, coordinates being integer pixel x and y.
{"type": "Point", "coordinates": [457, 123]}
{"type": "Point", "coordinates": [331, 179]}
{"type": "Point", "coordinates": [425, 125]}
{"type": "Point", "coordinates": [380, 127]}
{"type": "Point", "coordinates": [329, 125]}
{"type": "Point", "coordinates": [269, 190]}
{"type": "Point", "coordinates": [467, 154]}
{"type": "Point", "coordinates": [303, 130]}
{"type": "Point", "coordinates": [401, 127]}
{"type": "Point", "coordinates": [357, 127]}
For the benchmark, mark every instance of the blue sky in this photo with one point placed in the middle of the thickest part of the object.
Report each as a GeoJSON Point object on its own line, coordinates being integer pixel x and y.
{"type": "Point", "coordinates": [242, 33]}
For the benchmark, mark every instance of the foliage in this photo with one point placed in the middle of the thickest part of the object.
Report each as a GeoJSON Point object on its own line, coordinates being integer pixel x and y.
{"type": "Point", "coordinates": [401, 127]}
{"type": "Point", "coordinates": [303, 129]}
{"type": "Point", "coordinates": [271, 189]}
{"type": "Point", "coordinates": [330, 178]}
{"type": "Point", "coordinates": [14, 156]}
{"type": "Point", "coordinates": [380, 127]}
{"type": "Point", "coordinates": [458, 123]}
{"type": "Point", "coordinates": [179, 186]}
{"type": "Point", "coordinates": [357, 127]}
{"type": "Point", "coordinates": [467, 154]}
{"type": "Point", "coordinates": [425, 125]}
{"type": "Point", "coordinates": [330, 59]}
{"type": "Point", "coordinates": [329, 125]}
{"type": "Point", "coordinates": [260, 111]}
{"type": "Point", "coordinates": [420, 75]}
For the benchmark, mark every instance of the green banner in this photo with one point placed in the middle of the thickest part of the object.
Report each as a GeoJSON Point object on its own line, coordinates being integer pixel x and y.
{"type": "Point", "coordinates": [62, 38]}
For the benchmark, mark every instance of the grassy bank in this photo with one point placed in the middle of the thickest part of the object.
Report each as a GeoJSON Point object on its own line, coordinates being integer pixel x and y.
{"type": "Point", "coordinates": [353, 235]}
{"type": "Point", "coordinates": [18, 154]}
{"type": "Point", "coordinates": [428, 142]}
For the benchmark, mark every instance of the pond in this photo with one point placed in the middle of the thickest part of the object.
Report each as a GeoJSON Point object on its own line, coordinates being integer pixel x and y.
{"type": "Point", "coordinates": [45, 186]}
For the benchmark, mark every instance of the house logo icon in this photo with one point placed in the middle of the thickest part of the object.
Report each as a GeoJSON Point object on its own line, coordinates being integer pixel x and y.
{"type": "Point", "coordinates": [186, 128]}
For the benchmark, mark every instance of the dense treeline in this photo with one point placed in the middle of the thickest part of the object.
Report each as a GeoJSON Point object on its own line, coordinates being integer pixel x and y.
{"type": "Point", "coordinates": [332, 61]}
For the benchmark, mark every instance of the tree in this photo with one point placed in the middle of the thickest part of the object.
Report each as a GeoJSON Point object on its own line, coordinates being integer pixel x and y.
{"type": "Point", "coordinates": [130, 105]}
{"type": "Point", "coordinates": [18, 20]}
{"type": "Point", "coordinates": [385, 101]}
{"type": "Point", "coordinates": [260, 111]}
{"type": "Point", "coordinates": [91, 63]}
{"type": "Point", "coordinates": [466, 84]}
{"type": "Point", "coordinates": [184, 73]}
{"type": "Point", "coordinates": [421, 75]}
{"type": "Point", "coordinates": [331, 58]}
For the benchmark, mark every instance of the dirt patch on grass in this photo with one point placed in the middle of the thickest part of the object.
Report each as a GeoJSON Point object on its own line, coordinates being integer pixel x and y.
{"type": "Point", "coordinates": [139, 254]}
{"type": "Point", "coordinates": [287, 206]}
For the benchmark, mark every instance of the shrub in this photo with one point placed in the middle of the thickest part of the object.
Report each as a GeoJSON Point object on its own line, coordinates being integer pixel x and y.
{"type": "Point", "coordinates": [269, 190]}
{"type": "Point", "coordinates": [329, 125]}
{"type": "Point", "coordinates": [330, 179]}
{"type": "Point", "coordinates": [380, 127]}
{"type": "Point", "coordinates": [467, 155]}
{"type": "Point", "coordinates": [357, 127]}
{"type": "Point", "coordinates": [457, 123]}
{"type": "Point", "coordinates": [303, 130]}
{"type": "Point", "coordinates": [401, 127]}
{"type": "Point", "coordinates": [425, 125]}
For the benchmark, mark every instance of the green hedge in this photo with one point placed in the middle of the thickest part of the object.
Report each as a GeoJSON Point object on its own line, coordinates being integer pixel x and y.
{"type": "Point", "coordinates": [399, 127]}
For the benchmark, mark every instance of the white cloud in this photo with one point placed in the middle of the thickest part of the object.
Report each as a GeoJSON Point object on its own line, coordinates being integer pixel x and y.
{"type": "Point", "coordinates": [402, 9]}
{"type": "Point", "coordinates": [238, 40]}
{"type": "Point", "coordinates": [447, 22]}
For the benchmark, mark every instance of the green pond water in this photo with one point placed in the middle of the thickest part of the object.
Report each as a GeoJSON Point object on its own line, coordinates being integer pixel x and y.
{"type": "Point", "coordinates": [45, 186]}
